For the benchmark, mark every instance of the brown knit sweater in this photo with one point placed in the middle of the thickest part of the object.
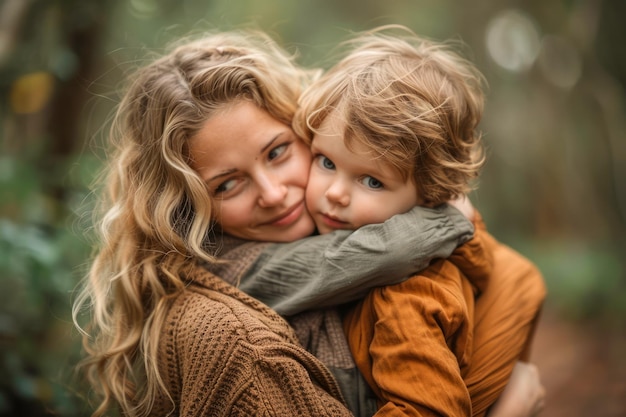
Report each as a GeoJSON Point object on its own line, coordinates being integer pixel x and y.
{"type": "Point", "coordinates": [222, 353]}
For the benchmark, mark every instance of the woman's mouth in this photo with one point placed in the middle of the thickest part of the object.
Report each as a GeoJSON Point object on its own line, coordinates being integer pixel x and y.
{"type": "Point", "coordinates": [289, 217]}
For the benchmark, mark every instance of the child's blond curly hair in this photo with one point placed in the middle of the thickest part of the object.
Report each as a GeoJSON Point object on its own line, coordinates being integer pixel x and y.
{"type": "Point", "coordinates": [416, 103]}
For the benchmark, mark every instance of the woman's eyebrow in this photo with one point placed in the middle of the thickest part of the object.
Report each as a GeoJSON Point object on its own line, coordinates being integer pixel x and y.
{"type": "Point", "coordinates": [271, 142]}
{"type": "Point", "coordinates": [221, 175]}
{"type": "Point", "coordinates": [233, 170]}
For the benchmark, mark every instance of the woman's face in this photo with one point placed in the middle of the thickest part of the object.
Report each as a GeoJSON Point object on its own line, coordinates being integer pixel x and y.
{"type": "Point", "coordinates": [256, 170]}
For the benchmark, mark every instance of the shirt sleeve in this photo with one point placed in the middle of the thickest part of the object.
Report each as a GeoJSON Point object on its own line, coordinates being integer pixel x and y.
{"type": "Point", "coordinates": [412, 343]}
{"type": "Point", "coordinates": [333, 269]}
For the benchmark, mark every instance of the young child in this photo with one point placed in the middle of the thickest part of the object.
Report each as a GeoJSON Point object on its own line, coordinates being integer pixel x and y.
{"type": "Point", "coordinates": [393, 125]}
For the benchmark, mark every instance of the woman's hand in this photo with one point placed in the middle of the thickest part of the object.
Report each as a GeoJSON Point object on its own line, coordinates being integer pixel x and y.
{"type": "Point", "coordinates": [524, 396]}
{"type": "Point", "coordinates": [464, 205]}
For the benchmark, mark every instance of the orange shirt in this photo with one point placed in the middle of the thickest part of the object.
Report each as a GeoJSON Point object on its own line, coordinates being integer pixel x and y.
{"type": "Point", "coordinates": [415, 342]}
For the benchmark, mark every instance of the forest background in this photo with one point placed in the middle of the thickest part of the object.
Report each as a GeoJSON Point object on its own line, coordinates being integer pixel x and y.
{"type": "Point", "coordinates": [554, 187]}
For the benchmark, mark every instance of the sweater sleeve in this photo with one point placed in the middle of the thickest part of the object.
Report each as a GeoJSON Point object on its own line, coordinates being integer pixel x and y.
{"type": "Point", "coordinates": [333, 269]}
{"type": "Point", "coordinates": [412, 341]}
{"type": "Point", "coordinates": [223, 362]}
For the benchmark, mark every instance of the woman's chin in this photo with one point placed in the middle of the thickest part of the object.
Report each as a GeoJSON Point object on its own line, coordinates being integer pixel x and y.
{"type": "Point", "coordinates": [304, 227]}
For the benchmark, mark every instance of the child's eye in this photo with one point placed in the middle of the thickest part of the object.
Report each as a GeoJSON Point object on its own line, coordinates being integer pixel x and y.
{"type": "Point", "coordinates": [325, 162]}
{"type": "Point", "coordinates": [372, 182]}
{"type": "Point", "coordinates": [277, 151]}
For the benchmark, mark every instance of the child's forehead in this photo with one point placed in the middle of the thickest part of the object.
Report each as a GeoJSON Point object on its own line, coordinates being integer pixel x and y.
{"type": "Point", "coordinates": [333, 124]}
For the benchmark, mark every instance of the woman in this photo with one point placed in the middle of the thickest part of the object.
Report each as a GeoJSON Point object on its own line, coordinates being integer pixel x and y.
{"type": "Point", "coordinates": [165, 335]}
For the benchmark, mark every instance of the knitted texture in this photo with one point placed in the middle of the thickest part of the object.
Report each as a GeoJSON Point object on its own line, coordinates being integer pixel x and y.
{"type": "Point", "coordinates": [237, 255]}
{"type": "Point", "coordinates": [319, 331]}
{"type": "Point", "coordinates": [223, 353]}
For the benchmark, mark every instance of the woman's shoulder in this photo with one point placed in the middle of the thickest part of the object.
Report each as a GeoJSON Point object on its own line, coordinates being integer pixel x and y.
{"type": "Point", "coordinates": [227, 348]}
{"type": "Point", "coordinates": [196, 310]}
{"type": "Point", "coordinates": [219, 311]}
{"type": "Point", "coordinates": [205, 330]}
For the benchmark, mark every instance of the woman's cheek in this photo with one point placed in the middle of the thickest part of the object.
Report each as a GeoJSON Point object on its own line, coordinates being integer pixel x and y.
{"type": "Point", "coordinates": [231, 217]}
{"type": "Point", "coordinates": [311, 193]}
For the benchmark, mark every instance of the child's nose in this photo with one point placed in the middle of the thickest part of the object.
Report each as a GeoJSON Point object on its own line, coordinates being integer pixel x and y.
{"type": "Point", "coordinates": [338, 193]}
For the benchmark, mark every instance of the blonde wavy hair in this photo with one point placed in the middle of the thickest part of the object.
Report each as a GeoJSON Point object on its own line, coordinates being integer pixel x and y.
{"type": "Point", "coordinates": [155, 215]}
{"type": "Point", "coordinates": [414, 102]}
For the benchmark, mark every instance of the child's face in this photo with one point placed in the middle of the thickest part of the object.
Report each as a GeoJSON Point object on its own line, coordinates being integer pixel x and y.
{"type": "Point", "coordinates": [347, 189]}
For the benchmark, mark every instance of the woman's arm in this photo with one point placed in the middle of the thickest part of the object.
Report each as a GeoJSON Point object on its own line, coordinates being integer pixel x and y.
{"type": "Point", "coordinates": [342, 266]}
{"type": "Point", "coordinates": [218, 359]}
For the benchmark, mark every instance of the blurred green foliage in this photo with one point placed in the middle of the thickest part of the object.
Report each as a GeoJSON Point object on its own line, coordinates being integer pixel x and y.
{"type": "Point", "coordinates": [554, 187]}
{"type": "Point", "coordinates": [41, 256]}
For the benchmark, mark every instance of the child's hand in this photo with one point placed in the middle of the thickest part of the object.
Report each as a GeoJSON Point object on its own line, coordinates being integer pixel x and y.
{"type": "Point", "coordinates": [524, 396]}
{"type": "Point", "coordinates": [464, 205]}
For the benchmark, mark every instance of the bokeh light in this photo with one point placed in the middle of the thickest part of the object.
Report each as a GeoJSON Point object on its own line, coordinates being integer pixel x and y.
{"type": "Point", "coordinates": [31, 92]}
{"type": "Point", "coordinates": [559, 61]}
{"type": "Point", "coordinates": [513, 40]}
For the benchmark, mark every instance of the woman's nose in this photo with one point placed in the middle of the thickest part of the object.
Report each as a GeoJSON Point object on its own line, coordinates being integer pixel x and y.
{"type": "Point", "coordinates": [337, 193]}
{"type": "Point", "coordinates": [272, 192]}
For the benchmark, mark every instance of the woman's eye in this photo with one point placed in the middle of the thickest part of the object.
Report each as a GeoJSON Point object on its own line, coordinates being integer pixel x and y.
{"type": "Point", "coordinates": [225, 186]}
{"type": "Point", "coordinates": [372, 183]}
{"type": "Point", "coordinates": [325, 162]}
{"type": "Point", "coordinates": [277, 151]}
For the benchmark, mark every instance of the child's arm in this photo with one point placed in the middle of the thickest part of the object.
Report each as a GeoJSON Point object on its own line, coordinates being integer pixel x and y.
{"type": "Point", "coordinates": [412, 342]}
{"type": "Point", "coordinates": [343, 266]}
